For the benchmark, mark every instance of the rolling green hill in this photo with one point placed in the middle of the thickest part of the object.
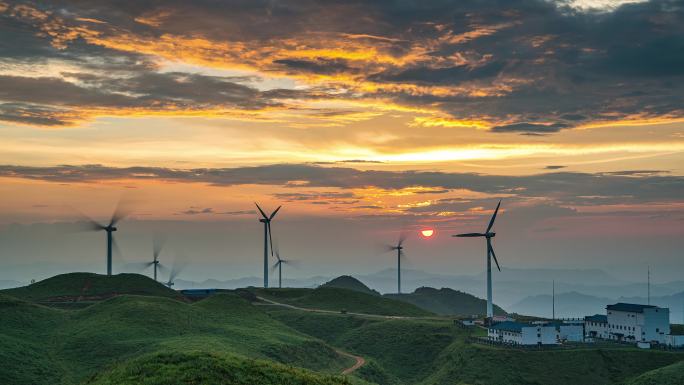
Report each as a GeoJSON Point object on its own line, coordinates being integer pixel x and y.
{"type": "Point", "coordinates": [446, 301]}
{"type": "Point", "coordinates": [40, 345]}
{"type": "Point", "coordinates": [208, 369]}
{"type": "Point", "coordinates": [90, 287]}
{"type": "Point", "coordinates": [226, 339]}
{"type": "Point", "coordinates": [335, 299]}
{"type": "Point", "coordinates": [428, 352]}
{"type": "Point", "coordinates": [349, 283]}
{"type": "Point", "coordinates": [668, 375]}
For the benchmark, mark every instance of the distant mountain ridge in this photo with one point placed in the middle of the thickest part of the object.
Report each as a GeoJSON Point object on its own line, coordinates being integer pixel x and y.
{"type": "Point", "coordinates": [447, 301]}
{"type": "Point", "coordinates": [350, 283]}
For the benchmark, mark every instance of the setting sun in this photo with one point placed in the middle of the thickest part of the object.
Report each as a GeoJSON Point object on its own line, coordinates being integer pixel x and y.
{"type": "Point", "coordinates": [427, 233]}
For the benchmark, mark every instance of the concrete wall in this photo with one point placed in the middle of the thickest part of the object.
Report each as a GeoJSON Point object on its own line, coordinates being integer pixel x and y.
{"type": "Point", "coordinates": [574, 333]}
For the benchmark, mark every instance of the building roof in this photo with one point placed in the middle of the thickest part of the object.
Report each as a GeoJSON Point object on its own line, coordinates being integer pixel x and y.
{"type": "Point", "coordinates": [510, 326]}
{"type": "Point", "coordinates": [629, 307]}
{"type": "Point", "coordinates": [597, 318]}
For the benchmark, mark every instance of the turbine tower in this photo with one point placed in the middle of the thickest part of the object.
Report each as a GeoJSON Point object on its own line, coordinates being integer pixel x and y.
{"type": "Point", "coordinates": [110, 228]}
{"type": "Point", "coordinates": [490, 253]}
{"type": "Point", "coordinates": [268, 237]}
{"type": "Point", "coordinates": [400, 253]}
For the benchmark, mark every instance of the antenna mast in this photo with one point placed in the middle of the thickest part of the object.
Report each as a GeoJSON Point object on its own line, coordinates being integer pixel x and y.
{"type": "Point", "coordinates": [648, 284]}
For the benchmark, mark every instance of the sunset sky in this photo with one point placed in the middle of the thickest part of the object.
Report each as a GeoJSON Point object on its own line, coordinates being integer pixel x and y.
{"type": "Point", "coordinates": [362, 118]}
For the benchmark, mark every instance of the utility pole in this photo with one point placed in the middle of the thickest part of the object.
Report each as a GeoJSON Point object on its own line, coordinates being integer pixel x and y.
{"type": "Point", "coordinates": [648, 285]}
{"type": "Point", "coordinates": [553, 300]}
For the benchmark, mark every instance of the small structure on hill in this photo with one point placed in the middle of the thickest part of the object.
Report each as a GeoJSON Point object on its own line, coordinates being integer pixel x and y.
{"type": "Point", "coordinates": [628, 322]}
{"type": "Point", "coordinates": [519, 333]}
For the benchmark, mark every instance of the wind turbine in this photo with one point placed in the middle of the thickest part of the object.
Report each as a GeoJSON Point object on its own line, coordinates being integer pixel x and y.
{"type": "Point", "coordinates": [156, 250]}
{"type": "Point", "coordinates": [279, 265]}
{"type": "Point", "coordinates": [400, 253]}
{"type": "Point", "coordinates": [490, 253]}
{"type": "Point", "coordinates": [266, 220]}
{"type": "Point", "coordinates": [175, 270]}
{"type": "Point", "coordinates": [110, 228]}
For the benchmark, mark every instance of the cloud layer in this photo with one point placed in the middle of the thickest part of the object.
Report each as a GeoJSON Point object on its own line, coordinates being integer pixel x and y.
{"type": "Point", "coordinates": [528, 66]}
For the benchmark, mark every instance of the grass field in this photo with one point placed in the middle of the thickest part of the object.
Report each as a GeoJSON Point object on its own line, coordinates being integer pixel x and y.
{"type": "Point", "coordinates": [39, 345]}
{"type": "Point", "coordinates": [668, 375]}
{"type": "Point", "coordinates": [208, 369]}
{"type": "Point", "coordinates": [88, 287]}
{"type": "Point", "coordinates": [225, 339]}
{"type": "Point", "coordinates": [437, 352]}
{"type": "Point", "coordinates": [336, 299]}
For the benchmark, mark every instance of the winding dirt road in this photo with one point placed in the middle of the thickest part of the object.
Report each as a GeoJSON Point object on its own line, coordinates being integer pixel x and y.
{"type": "Point", "coordinates": [360, 361]}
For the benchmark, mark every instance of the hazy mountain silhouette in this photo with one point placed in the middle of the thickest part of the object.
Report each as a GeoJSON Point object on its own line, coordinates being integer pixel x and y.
{"type": "Point", "coordinates": [446, 301]}
{"type": "Point", "coordinates": [349, 283]}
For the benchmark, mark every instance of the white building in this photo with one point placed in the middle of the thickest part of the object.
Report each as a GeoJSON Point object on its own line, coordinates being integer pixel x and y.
{"type": "Point", "coordinates": [523, 333]}
{"type": "Point", "coordinates": [596, 326]}
{"type": "Point", "coordinates": [632, 322]}
{"type": "Point", "coordinates": [572, 332]}
{"type": "Point", "coordinates": [675, 341]}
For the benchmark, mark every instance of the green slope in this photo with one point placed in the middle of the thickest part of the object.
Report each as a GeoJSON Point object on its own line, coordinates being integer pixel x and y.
{"type": "Point", "coordinates": [463, 363]}
{"type": "Point", "coordinates": [407, 351]}
{"type": "Point", "coordinates": [668, 375]}
{"type": "Point", "coordinates": [349, 283]}
{"type": "Point", "coordinates": [41, 345]}
{"type": "Point", "coordinates": [208, 369]}
{"type": "Point", "coordinates": [90, 287]}
{"type": "Point", "coordinates": [335, 299]}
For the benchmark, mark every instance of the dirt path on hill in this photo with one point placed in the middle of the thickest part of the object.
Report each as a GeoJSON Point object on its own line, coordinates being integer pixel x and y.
{"type": "Point", "coordinates": [271, 302]}
{"type": "Point", "coordinates": [360, 361]}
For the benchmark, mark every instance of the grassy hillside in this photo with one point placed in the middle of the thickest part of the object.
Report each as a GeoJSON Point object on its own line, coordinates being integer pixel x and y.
{"type": "Point", "coordinates": [476, 364]}
{"type": "Point", "coordinates": [42, 345]}
{"type": "Point", "coordinates": [89, 287]}
{"type": "Point", "coordinates": [446, 301]}
{"type": "Point", "coordinates": [432, 352]}
{"type": "Point", "coordinates": [335, 299]}
{"type": "Point", "coordinates": [668, 375]}
{"type": "Point", "coordinates": [399, 351]}
{"type": "Point", "coordinates": [349, 283]}
{"type": "Point", "coordinates": [208, 369]}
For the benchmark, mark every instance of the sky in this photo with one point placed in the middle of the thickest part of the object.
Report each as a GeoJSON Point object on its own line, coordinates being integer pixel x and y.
{"type": "Point", "coordinates": [364, 119]}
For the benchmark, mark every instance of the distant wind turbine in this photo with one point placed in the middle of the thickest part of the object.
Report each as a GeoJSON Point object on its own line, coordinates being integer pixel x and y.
{"type": "Point", "coordinates": [399, 247]}
{"type": "Point", "coordinates": [268, 237]}
{"type": "Point", "coordinates": [157, 246]}
{"type": "Point", "coordinates": [119, 214]}
{"type": "Point", "coordinates": [175, 270]}
{"type": "Point", "coordinates": [279, 265]}
{"type": "Point", "coordinates": [490, 253]}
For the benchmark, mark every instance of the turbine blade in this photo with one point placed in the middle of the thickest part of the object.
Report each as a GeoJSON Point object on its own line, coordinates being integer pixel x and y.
{"type": "Point", "coordinates": [274, 213]}
{"type": "Point", "coordinates": [85, 223]}
{"type": "Point", "coordinates": [490, 250]}
{"type": "Point", "coordinates": [275, 266]}
{"type": "Point", "coordinates": [263, 214]}
{"type": "Point", "coordinates": [469, 235]}
{"type": "Point", "coordinates": [121, 211]}
{"type": "Point", "coordinates": [115, 247]}
{"type": "Point", "coordinates": [270, 235]}
{"type": "Point", "coordinates": [157, 245]}
{"type": "Point", "coordinates": [292, 262]}
{"type": "Point", "coordinates": [402, 238]}
{"type": "Point", "coordinates": [138, 266]}
{"type": "Point", "coordinates": [491, 222]}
